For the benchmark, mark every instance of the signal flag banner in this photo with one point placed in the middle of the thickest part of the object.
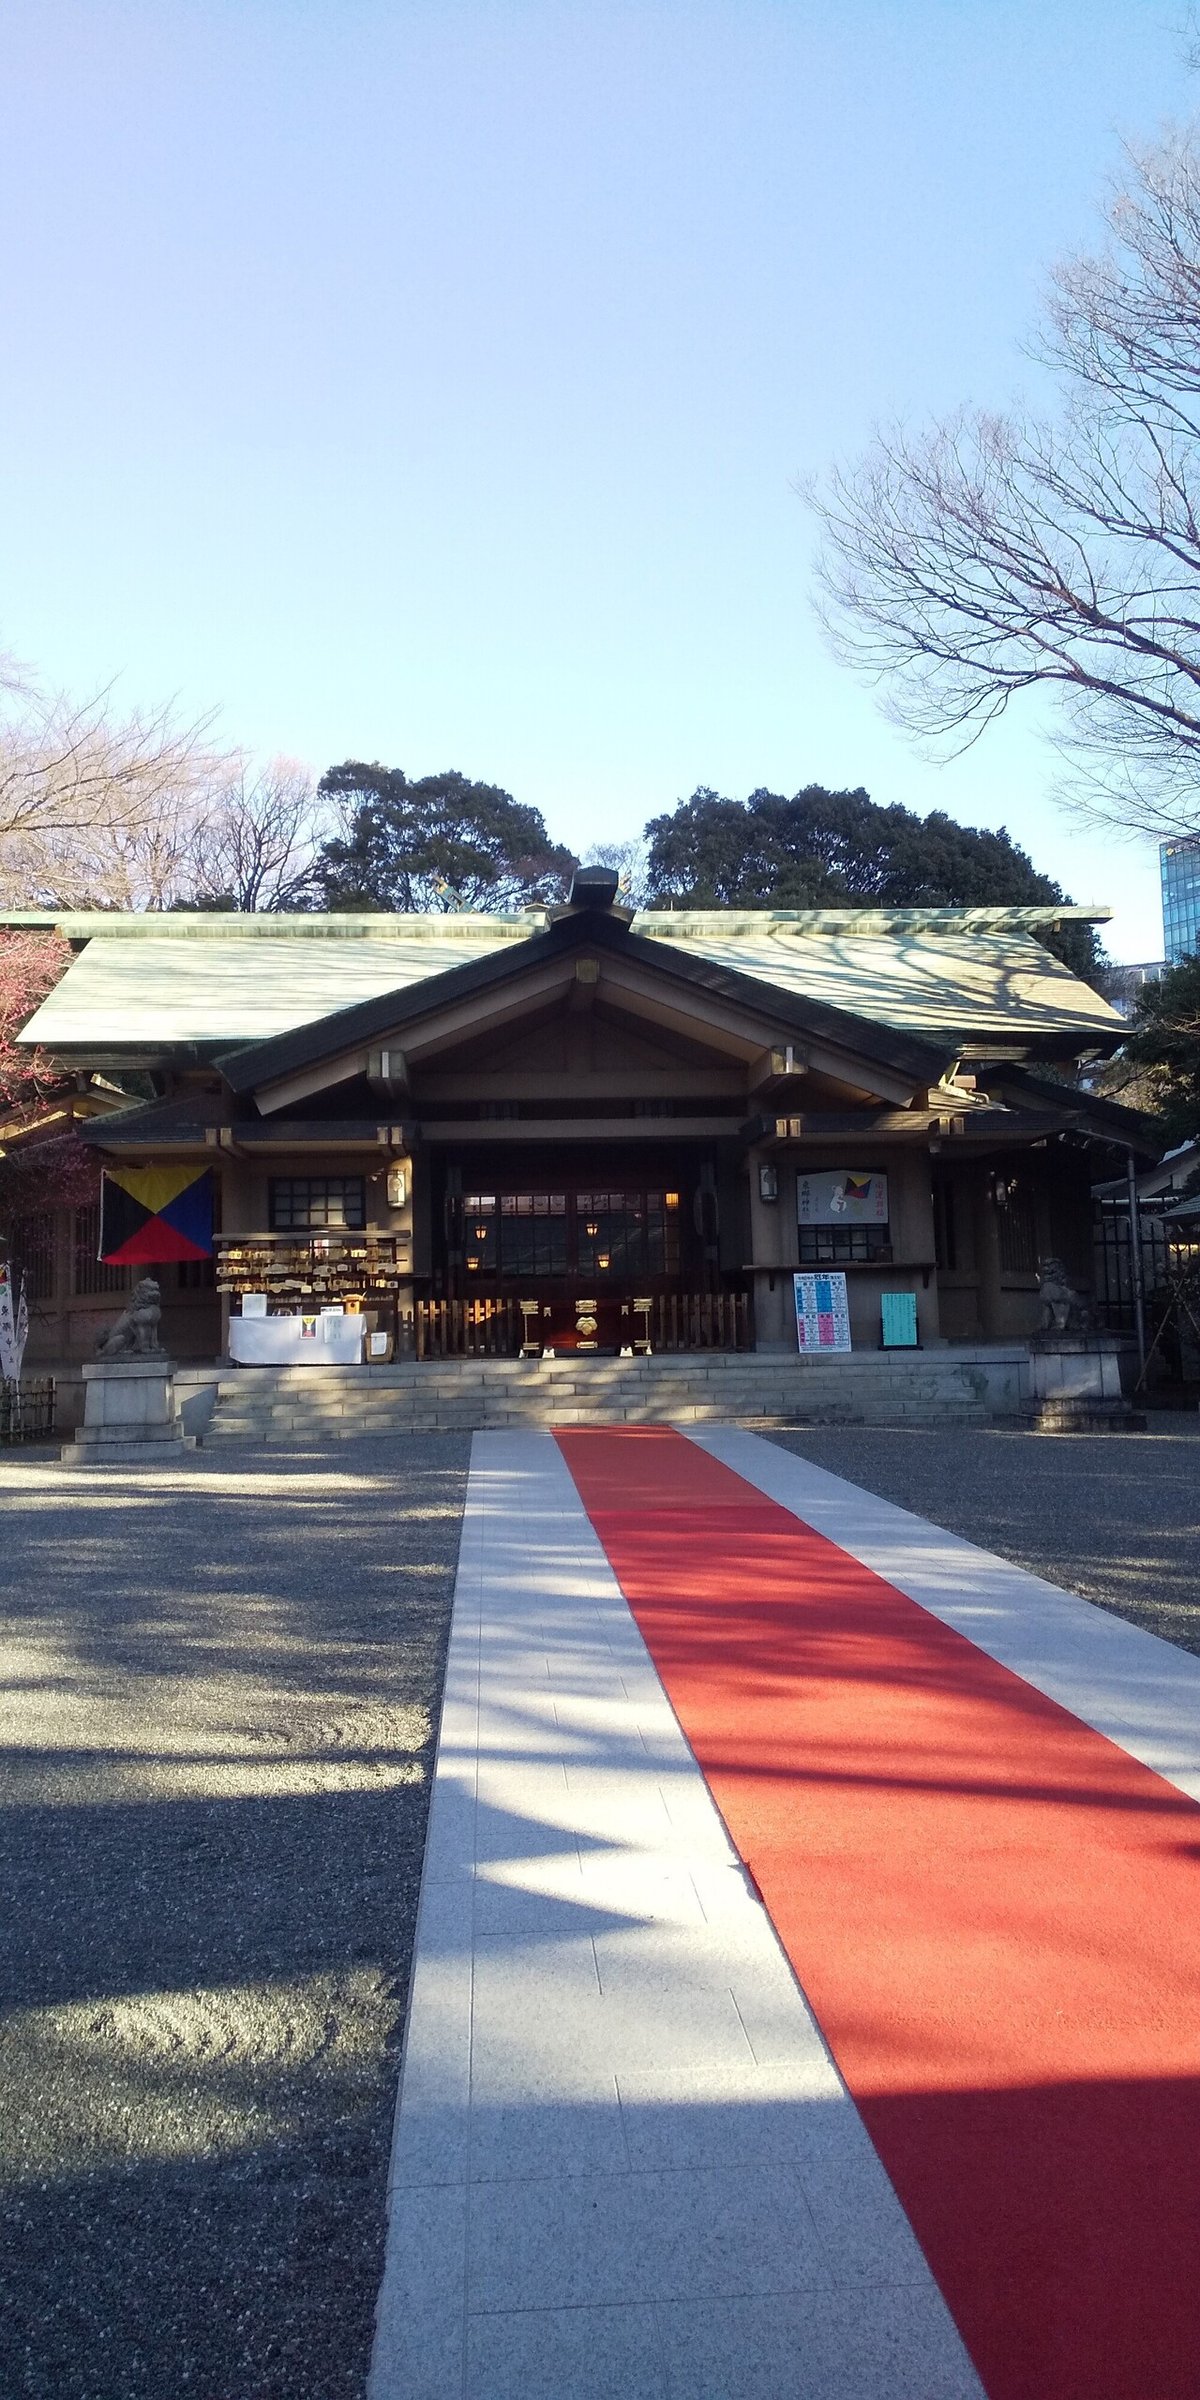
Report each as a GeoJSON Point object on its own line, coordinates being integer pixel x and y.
{"type": "Point", "coordinates": [149, 1215]}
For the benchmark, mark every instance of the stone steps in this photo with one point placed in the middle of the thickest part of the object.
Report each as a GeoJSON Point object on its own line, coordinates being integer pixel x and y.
{"type": "Point", "coordinates": [288, 1406]}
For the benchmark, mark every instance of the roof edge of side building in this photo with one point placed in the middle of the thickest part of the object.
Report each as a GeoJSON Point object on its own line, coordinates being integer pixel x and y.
{"type": "Point", "coordinates": [231, 924]}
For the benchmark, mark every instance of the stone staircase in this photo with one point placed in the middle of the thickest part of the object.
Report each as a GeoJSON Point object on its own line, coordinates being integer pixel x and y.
{"type": "Point", "coordinates": [295, 1406]}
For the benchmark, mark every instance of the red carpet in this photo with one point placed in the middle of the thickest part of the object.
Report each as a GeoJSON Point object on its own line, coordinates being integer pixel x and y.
{"type": "Point", "coordinates": [992, 1909]}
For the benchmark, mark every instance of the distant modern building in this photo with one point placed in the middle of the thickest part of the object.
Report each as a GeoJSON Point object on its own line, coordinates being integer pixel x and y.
{"type": "Point", "coordinates": [1180, 865]}
{"type": "Point", "coordinates": [1123, 985]}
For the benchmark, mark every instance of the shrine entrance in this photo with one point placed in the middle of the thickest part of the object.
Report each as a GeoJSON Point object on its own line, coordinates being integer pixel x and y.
{"type": "Point", "coordinates": [583, 1261]}
{"type": "Point", "coordinates": [589, 1247]}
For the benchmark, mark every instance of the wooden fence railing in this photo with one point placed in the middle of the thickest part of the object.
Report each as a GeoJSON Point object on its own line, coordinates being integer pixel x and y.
{"type": "Point", "coordinates": [496, 1328]}
{"type": "Point", "coordinates": [468, 1328]}
{"type": "Point", "coordinates": [701, 1321]}
{"type": "Point", "coordinates": [27, 1410]}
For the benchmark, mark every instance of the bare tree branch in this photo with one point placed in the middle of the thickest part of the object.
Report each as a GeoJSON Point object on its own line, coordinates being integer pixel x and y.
{"type": "Point", "coordinates": [257, 844]}
{"type": "Point", "coordinates": [97, 808]}
{"type": "Point", "coordinates": [970, 563]}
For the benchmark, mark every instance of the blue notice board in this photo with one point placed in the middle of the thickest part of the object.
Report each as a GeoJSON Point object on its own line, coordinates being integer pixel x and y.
{"type": "Point", "coordinates": [899, 1320]}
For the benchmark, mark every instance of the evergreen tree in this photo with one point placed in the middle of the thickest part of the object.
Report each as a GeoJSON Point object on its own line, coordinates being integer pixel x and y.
{"type": "Point", "coordinates": [824, 849]}
{"type": "Point", "coordinates": [438, 842]}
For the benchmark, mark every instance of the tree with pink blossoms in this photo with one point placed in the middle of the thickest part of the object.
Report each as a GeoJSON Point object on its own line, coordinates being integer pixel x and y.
{"type": "Point", "coordinates": [43, 1162]}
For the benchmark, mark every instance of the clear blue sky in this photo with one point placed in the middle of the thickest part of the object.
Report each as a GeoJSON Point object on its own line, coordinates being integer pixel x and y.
{"type": "Point", "coordinates": [429, 382]}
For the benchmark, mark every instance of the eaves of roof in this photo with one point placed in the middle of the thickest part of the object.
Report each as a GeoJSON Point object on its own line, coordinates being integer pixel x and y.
{"type": "Point", "coordinates": [1108, 1119]}
{"type": "Point", "coordinates": [248, 1069]}
{"type": "Point", "coordinates": [81, 925]}
{"type": "Point", "coordinates": [29, 1128]}
{"type": "Point", "coordinates": [187, 1118]}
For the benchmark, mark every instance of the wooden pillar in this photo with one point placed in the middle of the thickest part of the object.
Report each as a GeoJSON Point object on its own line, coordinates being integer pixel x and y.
{"type": "Point", "coordinates": [987, 1252]}
{"type": "Point", "coordinates": [773, 1252]}
{"type": "Point", "coordinates": [919, 1239]}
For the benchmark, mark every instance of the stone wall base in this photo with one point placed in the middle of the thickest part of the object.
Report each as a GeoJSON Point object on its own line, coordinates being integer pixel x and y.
{"type": "Point", "coordinates": [286, 1405]}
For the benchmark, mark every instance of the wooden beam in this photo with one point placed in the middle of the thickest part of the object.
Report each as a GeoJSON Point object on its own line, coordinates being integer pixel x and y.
{"type": "Point", "coordinates": [525, 1131]}
{"type": "Point", "coordinates": [706, 1016]}
{"type": "Point", "coordinates": [444, 1030]}
{"type": "Point", "coordinates": [699, 1015]}
{"type": "Point", "coordinates": [605, 1083]}
{"type": "Point", "coordinates": [307, 1080]}
{"type": "Point", "coordinates": [841, 1125]}
{"type": "Point", "coordinates": [486, 1012]}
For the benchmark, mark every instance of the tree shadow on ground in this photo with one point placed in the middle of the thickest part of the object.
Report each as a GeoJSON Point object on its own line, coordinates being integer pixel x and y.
{"type": "Point", "coordinates": [221, 1713]}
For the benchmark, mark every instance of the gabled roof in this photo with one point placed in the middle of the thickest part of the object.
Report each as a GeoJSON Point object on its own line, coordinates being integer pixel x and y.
{"type": "Point", "coordinates": [153, 986]}
{"type": "Point", "coordinates": [152, 992]}
{"type": "Point", "coordinates": [969, 975]}
{"type": "Point", "coordinates": [348, 1030]}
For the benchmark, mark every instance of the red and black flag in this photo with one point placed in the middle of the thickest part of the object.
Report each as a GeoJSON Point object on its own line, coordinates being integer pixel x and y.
{"type": "Point", "coordinates": [151, 1214]}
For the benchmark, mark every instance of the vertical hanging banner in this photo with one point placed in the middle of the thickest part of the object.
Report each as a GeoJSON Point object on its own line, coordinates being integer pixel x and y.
{"type": "Point", "coordinates": [150, 1215]}
{"type": "Point", "coordinates": [10, 1352]}
{"type": "Point", "coordinates": [822, 1312]}
{"type": "Point", "coordinates": [21, 1324]}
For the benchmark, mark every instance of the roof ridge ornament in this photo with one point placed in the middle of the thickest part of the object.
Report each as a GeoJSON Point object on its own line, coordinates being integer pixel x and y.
{"type": "Point", "coordinates": [594, 892]}
{"type": "Point", "coordinates": [593, 887]}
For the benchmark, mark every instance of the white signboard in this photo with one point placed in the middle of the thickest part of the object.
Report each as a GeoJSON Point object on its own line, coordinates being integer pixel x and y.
{"type": "Point", "coordinates": [822, 1312]}
{"type": "Point", "coordinates": [845, 1196]}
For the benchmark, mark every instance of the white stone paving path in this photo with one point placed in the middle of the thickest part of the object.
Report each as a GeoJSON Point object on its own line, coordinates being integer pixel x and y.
{"type": "Point", "coordinates": [624, 2163]}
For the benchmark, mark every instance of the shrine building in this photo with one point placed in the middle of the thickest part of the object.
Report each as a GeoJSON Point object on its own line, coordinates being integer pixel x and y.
{"type": "Point", "coordinates": [578, 1129]}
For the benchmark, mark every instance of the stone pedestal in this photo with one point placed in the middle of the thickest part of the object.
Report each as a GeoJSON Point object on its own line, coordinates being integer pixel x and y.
{"type": "Point", "coordinates": [1076, 1384]}
{"type": "Point", "coordinates": [129, 1416]}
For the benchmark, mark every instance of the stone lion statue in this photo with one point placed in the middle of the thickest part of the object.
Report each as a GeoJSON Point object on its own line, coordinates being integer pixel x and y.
{"type": "Point", "coordinates": [135, 1334]}
{"type": "Point", "coordinates": [1064, 1310]}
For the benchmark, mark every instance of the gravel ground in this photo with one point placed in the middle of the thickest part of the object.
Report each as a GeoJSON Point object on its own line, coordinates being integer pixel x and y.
{"type": "Point", "coordinates": [1114, 1516]}
{"type": "Point", "coordinates": [219, 1716]}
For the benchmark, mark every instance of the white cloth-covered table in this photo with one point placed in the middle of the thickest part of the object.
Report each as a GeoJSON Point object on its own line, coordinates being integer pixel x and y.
{"type": "Point", "coordinates": [283, 1342]}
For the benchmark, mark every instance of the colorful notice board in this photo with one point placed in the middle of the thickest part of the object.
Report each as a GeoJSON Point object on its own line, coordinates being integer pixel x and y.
{"type": "Point", "coordinates": [822, 1312]}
